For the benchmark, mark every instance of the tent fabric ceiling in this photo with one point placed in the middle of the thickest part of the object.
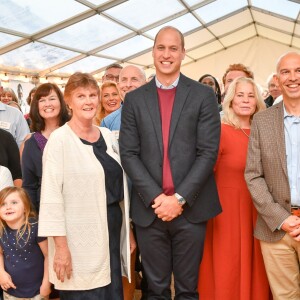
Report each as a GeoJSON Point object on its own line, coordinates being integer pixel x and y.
{"type": "Point", "coordinates": [57, 38]}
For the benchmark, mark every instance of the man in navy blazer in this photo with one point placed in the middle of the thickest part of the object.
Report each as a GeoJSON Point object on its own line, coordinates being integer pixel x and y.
{"type": "Point", "coordinates": [169, 140]}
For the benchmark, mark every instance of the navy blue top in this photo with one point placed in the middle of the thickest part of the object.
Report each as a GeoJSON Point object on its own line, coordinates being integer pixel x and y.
{"type": "Point", "coordinates": [32, 170]}
{"type": "Point", "coordinates": [24, 262]}
{"type": "Point", "coordinates": [9, 154]}
{"type": "Point", "coordinates": [112, 170]}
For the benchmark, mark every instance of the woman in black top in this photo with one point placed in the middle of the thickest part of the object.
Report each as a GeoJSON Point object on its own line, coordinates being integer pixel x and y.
{"type": "Point", "coordinates": [48, 111]}
{"type": "Point", "coordinates": [10, 156]}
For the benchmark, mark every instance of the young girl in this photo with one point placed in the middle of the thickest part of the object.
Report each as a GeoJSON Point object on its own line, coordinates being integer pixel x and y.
{"type": "Point", "coordinates": [23, 255]}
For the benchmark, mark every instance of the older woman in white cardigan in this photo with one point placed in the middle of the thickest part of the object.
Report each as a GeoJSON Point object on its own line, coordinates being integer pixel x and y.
{"type": "Point", "coordinates": [84, 202]}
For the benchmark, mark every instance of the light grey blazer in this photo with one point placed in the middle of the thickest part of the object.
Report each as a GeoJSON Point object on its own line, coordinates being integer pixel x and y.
{"type": "Point", "coordinates": [266, 173]}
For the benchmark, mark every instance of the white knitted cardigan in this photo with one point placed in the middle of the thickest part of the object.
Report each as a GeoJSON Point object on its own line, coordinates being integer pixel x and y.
{"type": "Point", "coordinates": [73, 204]}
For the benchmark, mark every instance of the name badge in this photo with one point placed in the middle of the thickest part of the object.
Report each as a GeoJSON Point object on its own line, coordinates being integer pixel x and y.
{"type": "Point", "coordinates": [4, 125]}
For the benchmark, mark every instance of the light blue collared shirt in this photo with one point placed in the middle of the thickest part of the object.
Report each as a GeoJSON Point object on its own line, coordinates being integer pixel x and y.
{"type": "Point", "coordinates": [113, 120]}
{"type": "Point", "coordinates": [292, 145]}
{"type": "Point", "coordinates": [13, 121]}
{"type": "Point", "coordinates": [161, 86]}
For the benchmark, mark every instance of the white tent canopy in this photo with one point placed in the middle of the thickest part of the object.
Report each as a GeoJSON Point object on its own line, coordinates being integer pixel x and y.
{"type": "Point", "coordinates": [259, 54]}
{"type": "Point", "coordinates": [56, 38]}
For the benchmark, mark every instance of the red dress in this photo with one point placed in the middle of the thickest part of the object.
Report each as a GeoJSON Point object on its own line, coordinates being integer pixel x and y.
{"type": "Point", "coordinates": [232, 267]}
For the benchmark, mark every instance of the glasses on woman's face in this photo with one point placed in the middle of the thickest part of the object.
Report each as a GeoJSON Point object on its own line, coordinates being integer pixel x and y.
{"type": "Point", "coordinates": [112, 77]}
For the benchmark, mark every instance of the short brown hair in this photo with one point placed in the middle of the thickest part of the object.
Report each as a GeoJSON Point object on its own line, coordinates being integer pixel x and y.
{"type": "Point", "coordinates": [238, 67]}
{"type": "Point", "coordinates": [77, 80]}
{"type": "Point", "coordinates": [115, 66]}
{"type": "Point", "coordinates": [172, 28]}
{"type": "Point", "coordinates": [37, 122]}
{"type": "Point", "coordinates": [28, 99]}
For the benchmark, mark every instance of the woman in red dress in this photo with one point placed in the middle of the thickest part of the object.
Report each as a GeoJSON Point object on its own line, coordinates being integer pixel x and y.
{"type": "Point", "coordinates": [232, 267]}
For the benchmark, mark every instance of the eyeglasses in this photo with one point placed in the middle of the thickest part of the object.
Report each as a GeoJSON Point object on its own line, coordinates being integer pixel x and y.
{"type": "Point", "coordinates": [112, 77]}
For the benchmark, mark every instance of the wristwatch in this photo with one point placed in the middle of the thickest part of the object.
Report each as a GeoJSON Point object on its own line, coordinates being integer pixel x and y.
{"type": "Point", "coordinates": [181, 200]}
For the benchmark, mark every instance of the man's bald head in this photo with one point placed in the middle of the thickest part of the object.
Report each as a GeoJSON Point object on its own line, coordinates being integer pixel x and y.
{"type": "Point", "coordinates": [131, 77]}
{"type": "Point", "coordinates": [284, 57]}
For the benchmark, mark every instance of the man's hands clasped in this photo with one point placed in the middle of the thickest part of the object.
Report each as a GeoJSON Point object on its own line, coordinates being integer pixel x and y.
{"type": "Point", "coordinates": [167, 207]}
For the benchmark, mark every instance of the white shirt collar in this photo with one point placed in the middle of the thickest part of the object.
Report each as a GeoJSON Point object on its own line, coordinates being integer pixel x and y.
{"type": "Point", "coordinates": [161, 86]}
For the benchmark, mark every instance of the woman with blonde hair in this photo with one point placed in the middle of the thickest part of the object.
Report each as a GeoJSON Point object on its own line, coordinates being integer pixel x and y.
{"type": "Point", "coordinates": [231, 115]}
{"type": "Point", "coordinates": [110, 101]}
{"type": "Point", "coordinates": [232, 265]}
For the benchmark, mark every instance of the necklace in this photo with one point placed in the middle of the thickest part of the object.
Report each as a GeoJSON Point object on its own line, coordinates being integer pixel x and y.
{"type": "Point", "coordinates": [244, 132]}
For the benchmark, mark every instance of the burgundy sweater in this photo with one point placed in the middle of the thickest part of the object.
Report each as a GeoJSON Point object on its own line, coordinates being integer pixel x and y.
{"type": "Point", "coordinates": [166, 101]}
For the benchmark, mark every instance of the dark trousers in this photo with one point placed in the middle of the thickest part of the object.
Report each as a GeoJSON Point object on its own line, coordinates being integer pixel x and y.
{"type": "Point", "coordinates": [167, 247]}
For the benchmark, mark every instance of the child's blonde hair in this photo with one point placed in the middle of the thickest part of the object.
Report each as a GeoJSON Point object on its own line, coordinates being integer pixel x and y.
{"type": "Point", "coordinates": [28, 208]}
